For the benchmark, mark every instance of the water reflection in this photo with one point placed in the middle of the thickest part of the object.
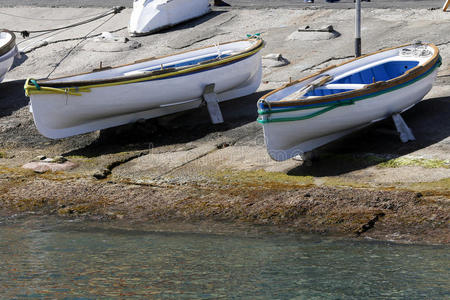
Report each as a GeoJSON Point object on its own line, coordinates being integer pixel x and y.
{"type": "Point", "coordinates": [47, 258]}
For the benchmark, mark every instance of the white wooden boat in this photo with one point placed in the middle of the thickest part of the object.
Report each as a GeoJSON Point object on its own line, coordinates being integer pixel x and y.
{"type": "Point", "coordinates": [320, 108]}
{"type": "Point", "coordinates": [8, 50]}
{"type": "Point", "coordinates": [145, 89]}
{"type": "Point", "coordinates": [149, 16]}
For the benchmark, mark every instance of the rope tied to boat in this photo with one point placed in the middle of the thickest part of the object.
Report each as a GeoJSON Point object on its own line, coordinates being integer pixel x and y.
{"type": "Point", "coordinates": [254, 36]}
{"type": "Point", "coordinates": [38, 87]}
{"type": "Point", "coordinates": [115, 10]}
{"type": "Point", "coordinates": [32, 87]}
{"type": "Point", "coordinates": [85, 37]}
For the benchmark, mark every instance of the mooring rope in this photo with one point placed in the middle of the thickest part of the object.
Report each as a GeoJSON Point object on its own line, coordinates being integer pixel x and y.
{"type": "Point", "coordinates": [29, 48]}
{"type": "Point", "coordinates": [44, 19]}
{"type": "Point", "coordinates": [82, 40]}
{"type": "Point", "coordinates": [113, 11]}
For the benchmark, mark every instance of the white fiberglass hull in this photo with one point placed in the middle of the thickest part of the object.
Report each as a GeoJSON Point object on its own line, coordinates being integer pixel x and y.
{"type": "Point", "coordinates": [7, 58]}
{"type": "Point", "coordinates": [63, 115]}
{"type": "Point", "coordinates": [286, 140]}
{"type": "Point", "coordinates": [149, 16]}
{"type": "Point", "coordinates": [295, 136]}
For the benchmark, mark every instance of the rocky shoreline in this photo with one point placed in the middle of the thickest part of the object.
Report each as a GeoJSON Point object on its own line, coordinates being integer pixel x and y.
{"type": "Point", "coordinates": [299, 206]}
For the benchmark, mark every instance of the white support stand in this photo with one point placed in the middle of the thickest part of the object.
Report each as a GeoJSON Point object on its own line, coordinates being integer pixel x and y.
{"type": "Point", "coordinates": [212, 102]}
{"type": "Point", "coordinates": [403, 129]}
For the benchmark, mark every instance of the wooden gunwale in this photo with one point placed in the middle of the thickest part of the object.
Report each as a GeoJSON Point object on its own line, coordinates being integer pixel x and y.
{"type": "Point", "coordinates": [369, 89]}
{"type": "Point", "coordinates": [10, 45]}
{"type": "Point", "coordinates": [45, 83]}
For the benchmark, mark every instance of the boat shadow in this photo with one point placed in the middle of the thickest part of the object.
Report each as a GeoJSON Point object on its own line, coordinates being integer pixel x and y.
{"type": "Point", "coordinates": [180, 128]}
{"type": "Point", "coordinates": [12, 97]}
{"type": "Point", "coordinates": [19, 61]}
{"type": "Point", "coordinates": [192, 22]}
{"type": "Point", "coordinates": [380, 142]}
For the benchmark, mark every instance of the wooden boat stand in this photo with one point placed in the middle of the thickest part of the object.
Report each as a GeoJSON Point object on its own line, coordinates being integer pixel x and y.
{"type": "Point", "coordinates": [212, 102]}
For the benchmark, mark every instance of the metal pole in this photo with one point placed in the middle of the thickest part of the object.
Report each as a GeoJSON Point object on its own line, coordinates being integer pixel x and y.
{"type": "Point", "coordinates": [358, 28]}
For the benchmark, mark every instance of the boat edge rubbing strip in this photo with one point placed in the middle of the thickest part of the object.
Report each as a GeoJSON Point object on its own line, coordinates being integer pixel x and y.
{"type": "Point", "coordinates": [264, 115]}
{"type": "Point", "coordinates": [10, 44]}
{"type": "Point", "coordinates": [40, 90]}
{"type": "Point", "coordinates": [75, 91]}
{"type": "Point", "coordinates": [310, 116]}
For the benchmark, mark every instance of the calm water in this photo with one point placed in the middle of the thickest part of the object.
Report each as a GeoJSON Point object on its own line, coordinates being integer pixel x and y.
{"type": "Point", "coordinates": [49, 258]}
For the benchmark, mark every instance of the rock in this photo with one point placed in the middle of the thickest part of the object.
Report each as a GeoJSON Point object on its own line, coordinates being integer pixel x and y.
{"type": "Point", "coordinates": [102, 174]}
{"type": "Point", "coordinates": [59, 159]}
{"type": "Point", "coordinates": [39, 158]}
{"type": "Point", "coordinates": [110, 43]}
{"type": "Point", "coordinates": [274, 60]}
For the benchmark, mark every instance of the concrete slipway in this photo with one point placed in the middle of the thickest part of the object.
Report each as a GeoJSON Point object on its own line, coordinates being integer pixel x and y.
{"type": "Point", "coordinates": [183, 168]}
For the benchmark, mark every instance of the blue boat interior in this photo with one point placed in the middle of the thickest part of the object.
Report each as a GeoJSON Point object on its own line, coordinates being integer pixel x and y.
{"type": "Point", "coordinates": [185, 63]}
{"type": "Point", "coordinates": [382, 72]}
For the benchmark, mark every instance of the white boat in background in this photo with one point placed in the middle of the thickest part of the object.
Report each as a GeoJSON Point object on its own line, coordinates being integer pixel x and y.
{"type": "Point", "coordinates": [8, 50]}
{"type": "Point", "coordinates": [145, 89]}
{"type": "Point", "coordinates": [149, 16]}
{"type": "Point", "coordinates": [323, 107]}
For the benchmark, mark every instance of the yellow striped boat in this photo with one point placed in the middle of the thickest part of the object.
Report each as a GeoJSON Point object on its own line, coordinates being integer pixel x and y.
{"type": "Point", "coordinates": [149, 88]}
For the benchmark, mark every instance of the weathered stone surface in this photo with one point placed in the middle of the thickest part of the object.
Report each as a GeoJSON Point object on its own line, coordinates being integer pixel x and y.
{"type": "Point", "coordinates": [44, 166]}
{"type": "Point", "coordinates": [312, 35]}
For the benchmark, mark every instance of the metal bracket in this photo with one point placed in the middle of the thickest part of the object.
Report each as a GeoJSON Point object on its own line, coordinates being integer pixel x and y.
{"type": "Point", "coordinates": [212, 102]}
{"type": "Point", "coordinates": [403, 129]}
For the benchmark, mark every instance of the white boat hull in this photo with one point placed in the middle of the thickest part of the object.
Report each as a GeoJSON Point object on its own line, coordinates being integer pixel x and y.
{"type": "Point", "coordinates": [6, 59]}
{"type": "Point", "coordinates": [286, 140]}
{"type": "Point", "coordinates": [150, 16]}
{"type": "Point", "coordinates": [63, 115]}
{"type": "Point", "coordinates": [296, 136]}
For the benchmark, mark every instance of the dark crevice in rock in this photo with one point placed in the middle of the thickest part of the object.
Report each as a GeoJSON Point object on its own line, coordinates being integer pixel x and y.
{"type": "Point", "coordinates": [369, 225]}
{"type": "Point", "coordinates": [103, 174]}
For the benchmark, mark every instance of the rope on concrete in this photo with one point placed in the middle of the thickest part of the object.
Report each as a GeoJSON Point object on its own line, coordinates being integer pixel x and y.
{"type": "Point", "coordinates": [44, 19]}
{"type": "Point", "coordinates": [113, 11]}
{"type": "Point", "coordinates": [82, 40]}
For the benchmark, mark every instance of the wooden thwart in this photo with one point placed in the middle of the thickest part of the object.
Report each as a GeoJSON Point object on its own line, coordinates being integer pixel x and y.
{"type": "Point", "coordinates": [309, 87]}
{"type": "Point", "coordinates": [212, 102]}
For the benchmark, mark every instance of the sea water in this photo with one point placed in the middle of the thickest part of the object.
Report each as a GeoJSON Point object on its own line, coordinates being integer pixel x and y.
{"type": "Point", "coordinates": [42, 257]}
